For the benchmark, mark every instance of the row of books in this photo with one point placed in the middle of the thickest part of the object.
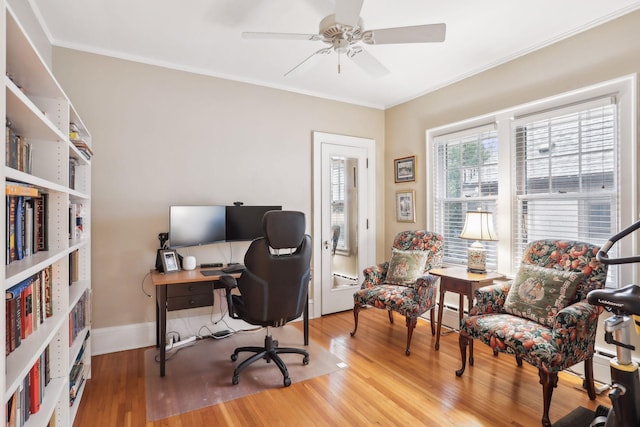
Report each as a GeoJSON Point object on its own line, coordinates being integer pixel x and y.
{"type": "Point", "coordinates": [79, 317]}
{"type": "Point", "coordinates": [26, 225]}
{"type": "Point", "coordinates": [27, 305]}
{"type": "Point", "coordinates": [18, 152]}
{"type": "Point", "coordinates": [77, 374]}
{"type": "Point", "coordinates": [28, 397]}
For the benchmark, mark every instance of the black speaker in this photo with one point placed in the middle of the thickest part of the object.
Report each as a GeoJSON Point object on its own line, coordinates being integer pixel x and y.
{"type": "Point", "coordinates": [159, 262]}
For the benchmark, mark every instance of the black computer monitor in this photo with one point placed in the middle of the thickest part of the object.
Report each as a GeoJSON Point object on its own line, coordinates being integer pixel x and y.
{"type": "Point", "coordinates": [196, 225]}
{"type": "Point", "coordinates": [245, 222]}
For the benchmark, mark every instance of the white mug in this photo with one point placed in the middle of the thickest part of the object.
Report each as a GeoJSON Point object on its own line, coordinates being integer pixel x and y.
{"type": "Point", "coordinates": [189, 263]}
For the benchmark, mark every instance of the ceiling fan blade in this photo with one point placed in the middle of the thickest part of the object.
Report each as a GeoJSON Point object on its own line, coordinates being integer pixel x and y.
{"type": "Point", "coordinates": [414, 34]}
{"type": "Point", "coordinates": [348, 11]}
{"type": "Point", "coordinates": [308, 62]}
{"type": "Point", "coordinates": [286, 36]}
{"type": "Point", "coordinates": [368, 62]}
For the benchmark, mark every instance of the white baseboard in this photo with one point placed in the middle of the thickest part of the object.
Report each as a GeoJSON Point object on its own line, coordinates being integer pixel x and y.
{"type": "Point", "coordinates": [450, 317]}
{"type": "Point", "coordinates": [129, 337]}
{"type": "Point", "coordinates": [120, 338]}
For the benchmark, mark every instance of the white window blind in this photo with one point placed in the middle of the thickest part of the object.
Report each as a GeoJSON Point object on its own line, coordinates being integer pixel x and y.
{"type": "Point", "coordinates": [466, 178]}
{"type": "Point", "coordinates": [566, 175]}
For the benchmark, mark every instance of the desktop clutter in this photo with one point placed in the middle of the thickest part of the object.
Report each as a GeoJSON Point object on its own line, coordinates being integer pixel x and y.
{"type": "Point", "coordinates": [199, 225]}
{"type": "Point", "coordinates": [273, 293]}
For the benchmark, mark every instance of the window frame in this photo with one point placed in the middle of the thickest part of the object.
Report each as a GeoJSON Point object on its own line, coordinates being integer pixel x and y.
{"type": "Point", "coordinates": [625, 91]}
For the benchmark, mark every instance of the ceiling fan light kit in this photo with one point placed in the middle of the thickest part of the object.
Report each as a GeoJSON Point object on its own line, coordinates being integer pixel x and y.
{"type": "Point", "coordinates": [344, 30]}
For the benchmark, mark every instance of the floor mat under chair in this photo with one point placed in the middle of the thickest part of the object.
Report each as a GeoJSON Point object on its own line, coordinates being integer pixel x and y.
{"type": "Point", "coordinates": [200, 375]}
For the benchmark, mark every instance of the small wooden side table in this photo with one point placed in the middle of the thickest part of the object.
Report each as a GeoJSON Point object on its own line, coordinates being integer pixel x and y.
{"type": "Point", "coordinates": [462, 282]}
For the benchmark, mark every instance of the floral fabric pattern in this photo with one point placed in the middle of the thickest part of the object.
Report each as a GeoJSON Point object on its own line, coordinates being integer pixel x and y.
{"type": "Point", "coordinates": [569, 338]}
{"type": "Point", "coordinates": [405, 266]}
{"type": "Point", "coordinates": [409, 299]}
{"type": "Point", "coordinates": [538, 293]}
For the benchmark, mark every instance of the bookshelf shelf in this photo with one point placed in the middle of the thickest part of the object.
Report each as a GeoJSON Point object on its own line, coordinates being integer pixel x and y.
{"type": "Point", "coordinates": [47, 243]}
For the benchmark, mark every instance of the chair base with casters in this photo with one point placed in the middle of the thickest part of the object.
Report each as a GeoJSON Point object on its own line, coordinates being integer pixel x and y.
{"type": "Point", "coordinates": [270, 352]}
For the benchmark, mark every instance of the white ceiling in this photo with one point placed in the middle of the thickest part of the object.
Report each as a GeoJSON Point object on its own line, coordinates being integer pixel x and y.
{"type": "Point", "coordinates": [204, 36]}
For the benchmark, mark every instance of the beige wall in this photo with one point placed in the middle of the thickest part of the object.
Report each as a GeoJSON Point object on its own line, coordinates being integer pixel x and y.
{"type": "Point", "coordinates": [165, 137]}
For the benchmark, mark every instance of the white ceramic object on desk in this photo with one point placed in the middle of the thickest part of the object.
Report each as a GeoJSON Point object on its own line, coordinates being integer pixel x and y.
{"type": "Point", "coordinates": [189, 263]}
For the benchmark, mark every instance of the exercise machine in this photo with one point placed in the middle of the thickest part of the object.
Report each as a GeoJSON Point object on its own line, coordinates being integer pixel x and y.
{"type": "Point", "coordinates": [624, 303]}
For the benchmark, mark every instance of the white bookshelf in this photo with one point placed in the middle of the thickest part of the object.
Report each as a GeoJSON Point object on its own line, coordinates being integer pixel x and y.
{"type": "Point", "coordinates": [40, 112]}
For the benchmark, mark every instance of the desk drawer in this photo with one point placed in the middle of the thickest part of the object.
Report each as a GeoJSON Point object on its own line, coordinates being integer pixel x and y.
{"type": "Point", "coordinates": [185, 289]}
{"type": "Point", "coordinates": [189, 301]}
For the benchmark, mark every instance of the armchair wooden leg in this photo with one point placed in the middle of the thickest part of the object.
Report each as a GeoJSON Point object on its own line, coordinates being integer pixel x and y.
{"type": "Point", "coordinates": [433, 321]}
{"type": "Point", "coordinates": [549, 381]}
{"type": "Point", "coordinates": [588, 378]}
{"type": "Point", "coordinates": [390, 316]}
{"type": "Point", "coordinates": [356, 310]}
{"type": "Point", "coordinates": [463, 340]}
{"type": "Point", "coordinates": [519, 361]}
{"type": "Point", "coordinates": [411, 324]}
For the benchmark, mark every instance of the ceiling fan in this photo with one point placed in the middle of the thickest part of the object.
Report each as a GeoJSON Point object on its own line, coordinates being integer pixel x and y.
{"type": "Point", "coordinates": [343, 32]}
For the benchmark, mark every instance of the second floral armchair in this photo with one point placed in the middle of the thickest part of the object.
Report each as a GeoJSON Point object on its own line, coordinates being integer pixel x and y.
{"type": "Point", "coordinates": [403, 284]}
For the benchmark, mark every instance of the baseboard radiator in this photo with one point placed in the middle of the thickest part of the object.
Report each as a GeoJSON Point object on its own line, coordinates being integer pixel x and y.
{"type": "Point", "coordinates": [343, 280]}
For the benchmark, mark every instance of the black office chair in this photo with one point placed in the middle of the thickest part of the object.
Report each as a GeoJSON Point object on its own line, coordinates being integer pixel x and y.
{"type": "Point", "coordinates": [273, 287]}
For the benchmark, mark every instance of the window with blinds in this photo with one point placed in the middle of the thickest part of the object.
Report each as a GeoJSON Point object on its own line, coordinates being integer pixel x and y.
{"type": "Point", "coordinates": [465, 178]}
{"type": "Point", "coordinates": [566, 169]}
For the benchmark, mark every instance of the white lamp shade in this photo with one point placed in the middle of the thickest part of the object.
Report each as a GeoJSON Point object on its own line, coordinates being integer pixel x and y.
{"type": "Point", "coordinates": [478, 225]}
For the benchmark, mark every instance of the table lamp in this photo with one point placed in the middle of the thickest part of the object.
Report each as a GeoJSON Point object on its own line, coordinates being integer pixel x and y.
{"type": "Point", "coordinates": [478, 226]}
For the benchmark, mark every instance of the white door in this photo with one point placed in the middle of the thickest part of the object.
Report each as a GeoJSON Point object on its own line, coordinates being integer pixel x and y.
{"type": "Point", "coordinates": [346, 243]}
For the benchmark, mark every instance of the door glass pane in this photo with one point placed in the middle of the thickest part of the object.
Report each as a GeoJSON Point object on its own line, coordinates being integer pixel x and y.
{"type": "Point", "coordinates": [344, 216]}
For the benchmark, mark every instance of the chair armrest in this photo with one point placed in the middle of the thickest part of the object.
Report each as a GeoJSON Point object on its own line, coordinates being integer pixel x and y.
{"type": "Point", "coordinates": [574, 332]}
{"type": "Point", "coordinates": [490, 299]}
{"type": "Point", "coordinates": [374, 275]}
{"type": "Point", "coordinates": [427, 288]}
{"type": "Point", "coordinates": [229, 282]}
{"type": "Point", "coordinates": [428, 280]}
{"type": "Point", "coordinates": [579, 318]}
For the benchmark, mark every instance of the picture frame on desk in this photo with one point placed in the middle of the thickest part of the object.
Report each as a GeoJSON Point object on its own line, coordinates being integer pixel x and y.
{"type": "Point", "coordinates": [169, 260]}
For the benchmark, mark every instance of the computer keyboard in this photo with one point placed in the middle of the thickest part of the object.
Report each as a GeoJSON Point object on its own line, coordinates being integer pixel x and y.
{"type": "Point", "coordinates": [234, 268]}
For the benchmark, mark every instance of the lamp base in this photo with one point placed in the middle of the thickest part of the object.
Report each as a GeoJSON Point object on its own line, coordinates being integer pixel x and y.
{"type": "Point", "coordinates": [477, 258]}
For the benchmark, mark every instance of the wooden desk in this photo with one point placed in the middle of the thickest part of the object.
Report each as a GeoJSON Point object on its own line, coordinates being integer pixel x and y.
{"type": "Point", "coordinates": [464, 283]}
{"type": "Point", "coordinates": [189, 289]}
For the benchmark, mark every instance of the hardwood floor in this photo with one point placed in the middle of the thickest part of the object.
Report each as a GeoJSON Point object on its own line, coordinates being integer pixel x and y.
{"type": "Point", "coordinates": [380, 386]}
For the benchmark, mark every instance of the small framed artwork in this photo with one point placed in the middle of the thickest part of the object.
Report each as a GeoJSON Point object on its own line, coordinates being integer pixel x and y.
{"type": "Point", "coordinates": [169, 261]}
{"type": "Point", "coordinates": [405, 169]}
{"type": "Point", "coordinates": [406, 206]}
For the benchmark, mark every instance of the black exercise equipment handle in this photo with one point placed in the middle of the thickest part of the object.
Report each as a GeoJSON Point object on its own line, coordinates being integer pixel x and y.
{"type": "Point", "coordinates": [602, 253]}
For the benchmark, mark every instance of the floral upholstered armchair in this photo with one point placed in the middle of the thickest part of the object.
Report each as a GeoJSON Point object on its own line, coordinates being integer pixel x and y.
{"type": "Point", "coordinates": [403, 284]}
{"type": "Point", "coordinates": [542, 316]}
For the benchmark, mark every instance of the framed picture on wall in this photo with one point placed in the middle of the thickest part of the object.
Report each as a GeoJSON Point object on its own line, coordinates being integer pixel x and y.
{"type": "Point", "coordinates": [169, 261]}
{"type": "Point", "coordinates": [405, 169]}
{"type": "Point", "coordinates": [406, 206]}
